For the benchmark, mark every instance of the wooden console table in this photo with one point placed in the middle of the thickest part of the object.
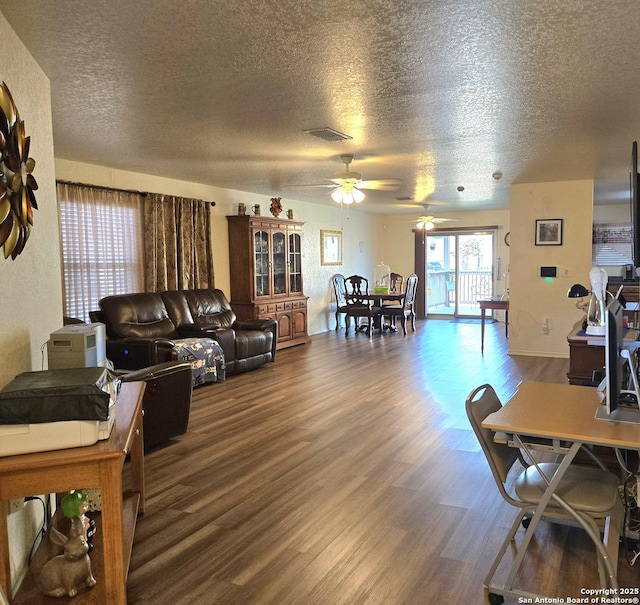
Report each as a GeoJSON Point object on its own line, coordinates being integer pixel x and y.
{"type": "Point", "coordinates": [586, 354]}
{"type": "Point", "coordinates": [94, 466]}
{"type": "Point", "coordinates": [498, 305]}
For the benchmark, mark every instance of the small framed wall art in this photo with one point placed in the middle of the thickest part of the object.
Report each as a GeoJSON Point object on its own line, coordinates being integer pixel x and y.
{"type": "Point", "coordinates": [549, 232]}
{"type": "Point", "coordinates": [330, 247]}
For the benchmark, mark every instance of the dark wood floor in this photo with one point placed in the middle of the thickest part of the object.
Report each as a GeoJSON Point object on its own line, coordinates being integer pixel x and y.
{"type": "Point", "coordinates": [345, 473]}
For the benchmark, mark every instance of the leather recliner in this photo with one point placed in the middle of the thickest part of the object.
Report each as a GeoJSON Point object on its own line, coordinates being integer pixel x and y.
{"type": "Point", "coordinates": [141, 327]}
{"type": "Point", "coordinates": [166, 400]}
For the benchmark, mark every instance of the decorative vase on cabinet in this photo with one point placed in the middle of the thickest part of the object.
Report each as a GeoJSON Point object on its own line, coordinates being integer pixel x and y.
{"type": "Point", "coordinates": [265, 262]}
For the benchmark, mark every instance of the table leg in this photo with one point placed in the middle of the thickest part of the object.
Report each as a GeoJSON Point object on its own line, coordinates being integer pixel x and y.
{"type": "Point", "coordinates": [5, 567]}
{"type": "Point", "coordinates": [482, 310]}
{"type": "Point", "coordinates": [114, 571]}
{"type": "Point", "coordinates": [506, 323]}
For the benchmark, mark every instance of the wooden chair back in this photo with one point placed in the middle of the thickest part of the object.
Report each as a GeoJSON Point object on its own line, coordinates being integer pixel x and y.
{"type": "Point", "coordinates": [396, 281]}
{"type": "Point", "coordinates": [410, 293]}
{"type": "Point", "coordinates": [339, 290]}
{"type": "Point", "coordinates": [357, 290]}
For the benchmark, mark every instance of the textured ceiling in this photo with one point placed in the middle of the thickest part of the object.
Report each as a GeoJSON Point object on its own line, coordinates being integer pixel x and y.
{"type": "Point", "coordinates": [437, 93]}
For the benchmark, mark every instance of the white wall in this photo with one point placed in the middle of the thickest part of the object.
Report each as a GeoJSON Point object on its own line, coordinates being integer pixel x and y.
{"type": "Point", "coordinates": [30, 285]}
{"type": "Point", "coordinates": [533, 298]}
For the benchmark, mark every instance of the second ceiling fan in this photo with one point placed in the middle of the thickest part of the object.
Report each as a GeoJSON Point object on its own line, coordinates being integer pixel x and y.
{"type": "Point", "coordinates": [427, 222]}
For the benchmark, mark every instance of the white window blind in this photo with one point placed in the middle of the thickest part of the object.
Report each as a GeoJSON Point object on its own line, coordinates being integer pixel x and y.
{"type": "Point", "coordinates": [612, 244]}
{"type": "Point", "coordinates": [101, 241]}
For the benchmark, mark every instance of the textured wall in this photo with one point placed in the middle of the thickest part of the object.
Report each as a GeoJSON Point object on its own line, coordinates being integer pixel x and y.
{"type": "Point", "coordinates": [532, 297]}
{"type": "Point", "coordinates": [30, 287]}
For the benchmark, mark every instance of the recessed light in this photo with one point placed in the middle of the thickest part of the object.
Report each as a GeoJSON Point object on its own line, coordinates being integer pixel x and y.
{"type": "Point", "coordinates": [497, 175]}
{"type": "Point", "coordinates": [460, 188]}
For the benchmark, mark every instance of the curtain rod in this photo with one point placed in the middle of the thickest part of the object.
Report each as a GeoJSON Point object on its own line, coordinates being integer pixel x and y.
{"type": "Point", "coordinates": [103, 188]}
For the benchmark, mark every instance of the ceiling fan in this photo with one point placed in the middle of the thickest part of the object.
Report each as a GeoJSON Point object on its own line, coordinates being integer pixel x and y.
{"type": "Point", "coordinates": [348, 184]}
{"type": "Point", "coordinates": [427, 222]}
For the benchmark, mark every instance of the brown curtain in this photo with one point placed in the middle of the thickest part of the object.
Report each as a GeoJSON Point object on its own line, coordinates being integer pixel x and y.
{"type": "Point", "coordinates": [177, 243]}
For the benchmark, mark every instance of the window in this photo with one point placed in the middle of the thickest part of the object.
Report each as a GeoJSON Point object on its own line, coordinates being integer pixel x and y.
{"type": "Point", "coordinates": [612, 244]}
{"type": "Point", "coordinates": [101, 236]}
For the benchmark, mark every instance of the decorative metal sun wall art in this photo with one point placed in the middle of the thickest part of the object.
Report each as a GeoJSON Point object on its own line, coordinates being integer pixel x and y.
{"type": "Point", "coordinates": [17, 184]}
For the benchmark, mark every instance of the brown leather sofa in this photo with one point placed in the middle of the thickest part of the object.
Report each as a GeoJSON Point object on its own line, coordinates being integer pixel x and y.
{"type": "Point", "coordinates": [141, 328]}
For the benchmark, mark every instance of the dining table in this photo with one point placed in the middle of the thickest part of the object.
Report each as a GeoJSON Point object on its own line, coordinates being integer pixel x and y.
{"type": "Point", "coordinates": [378, 299]}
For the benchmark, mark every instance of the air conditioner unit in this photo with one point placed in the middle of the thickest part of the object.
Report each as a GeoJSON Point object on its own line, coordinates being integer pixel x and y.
{"type": "Point", "coordinates": [77, 346]}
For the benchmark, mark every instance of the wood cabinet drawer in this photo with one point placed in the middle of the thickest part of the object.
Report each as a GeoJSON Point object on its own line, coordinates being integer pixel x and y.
{"type": "Point", "coordinates": [262, 309]}
{"type": "Point", "coordinates": [299, 304]}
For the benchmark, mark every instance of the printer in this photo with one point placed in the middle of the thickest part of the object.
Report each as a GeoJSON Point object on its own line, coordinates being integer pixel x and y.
{"type": "Point", "coordinates": [77, 346]}
{"type": "Point", "coordinates": [57, 409]}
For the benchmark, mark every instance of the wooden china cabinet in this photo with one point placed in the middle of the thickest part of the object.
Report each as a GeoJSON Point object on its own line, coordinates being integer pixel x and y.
{"type": "Point", "coordinates": [265, 262]}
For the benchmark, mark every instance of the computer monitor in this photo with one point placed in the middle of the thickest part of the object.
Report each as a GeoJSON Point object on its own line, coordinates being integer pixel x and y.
{"type": "Point", "coordinates": [620, 371]}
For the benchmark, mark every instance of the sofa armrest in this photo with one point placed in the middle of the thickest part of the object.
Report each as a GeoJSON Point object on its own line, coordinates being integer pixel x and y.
{"type": "Point", "coordinates": [136, 353]}
{"type": "Point", "coordinates": [266, 325]}
{"type": "Point", "coordinates": [256, 324]}
{"type": "Point", "coordinates": [157, 371]}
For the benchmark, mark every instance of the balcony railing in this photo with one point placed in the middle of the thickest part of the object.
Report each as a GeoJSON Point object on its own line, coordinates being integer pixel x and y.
{"type": "Point", "coordinates": [472, 285]}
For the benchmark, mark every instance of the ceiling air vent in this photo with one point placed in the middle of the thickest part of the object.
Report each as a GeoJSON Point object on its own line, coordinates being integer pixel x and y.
{"type": "Point", "coordinates": [328, 134]}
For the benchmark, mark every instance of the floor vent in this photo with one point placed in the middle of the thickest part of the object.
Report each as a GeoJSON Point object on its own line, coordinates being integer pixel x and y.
{"type": "Point", "coordinates": [328, 134]}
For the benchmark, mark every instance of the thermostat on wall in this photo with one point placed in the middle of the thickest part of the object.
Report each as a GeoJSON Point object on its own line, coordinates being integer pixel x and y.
{"type": "Point", "coordinates": [548, 271]}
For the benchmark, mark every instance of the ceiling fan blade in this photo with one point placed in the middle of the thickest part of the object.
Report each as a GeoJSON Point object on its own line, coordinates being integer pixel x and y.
{"type": "Point", "coordinates": [443, 220]}
{"type": "Point", "coordinates": [309, 185]}
{"type": "Point", "coordinates": [380, 184]}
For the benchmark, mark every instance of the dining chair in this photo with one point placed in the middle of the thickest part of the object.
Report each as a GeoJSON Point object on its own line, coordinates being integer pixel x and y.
{"type": "Point", "coordinates": [405, 308]}
{"type": "Point", "coordinates": [360, 304]}
{"type": "Point", "coordinates": [396, 280]}
{"type": "Point", "coordinates": [340, 294]}
{"type": "Point", "coordinates": [591, 493]}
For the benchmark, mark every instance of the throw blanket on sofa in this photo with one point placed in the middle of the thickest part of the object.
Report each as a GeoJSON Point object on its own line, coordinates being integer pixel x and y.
{"type": "Point", "coordinates": [206, 357]}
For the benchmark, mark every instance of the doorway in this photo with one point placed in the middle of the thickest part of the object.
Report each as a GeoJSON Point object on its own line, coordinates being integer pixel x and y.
{"type": "Point", "coordinates": [459, 271]}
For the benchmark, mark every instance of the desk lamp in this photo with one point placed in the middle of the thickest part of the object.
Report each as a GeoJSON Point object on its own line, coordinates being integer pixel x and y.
{"type": "Point", "coordinates": [597, 302]}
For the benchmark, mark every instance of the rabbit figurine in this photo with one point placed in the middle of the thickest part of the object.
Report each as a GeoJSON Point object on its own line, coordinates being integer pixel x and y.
{"type": "Point", "coordinates": [63, 574]}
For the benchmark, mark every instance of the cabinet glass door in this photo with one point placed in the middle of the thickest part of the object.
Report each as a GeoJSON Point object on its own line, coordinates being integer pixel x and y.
{"type": "Point", "coordinates": [261, 259]}
{"type": "Point", "coordinates": [295, 263]}
{"type": "Point", "coordinates": [279, 259]}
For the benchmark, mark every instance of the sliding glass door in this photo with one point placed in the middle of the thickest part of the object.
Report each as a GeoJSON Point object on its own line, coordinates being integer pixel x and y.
{"type": "Point", "coordinates": [459, 271]}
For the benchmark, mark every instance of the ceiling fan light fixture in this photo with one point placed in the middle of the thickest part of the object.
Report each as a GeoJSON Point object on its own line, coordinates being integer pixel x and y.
{"type": "Point", "coordinates": [425, 225]}
{"type": "Point", "coordinates": [347, 196]}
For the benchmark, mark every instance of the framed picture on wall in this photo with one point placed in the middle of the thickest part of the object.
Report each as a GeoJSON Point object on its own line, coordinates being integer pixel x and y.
{"type": "Point", "coordinates": [330, 247]}
{"type": "Point", "coordinates": [549, 232]}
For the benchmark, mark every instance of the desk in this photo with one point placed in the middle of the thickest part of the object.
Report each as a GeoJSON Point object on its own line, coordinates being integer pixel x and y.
{"type": "Point", "coordinates": [99, 465]}
{"type": "Point", "coordinates": [563, 412]}
{"type": "Point", "coordinates": [499, 305]}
